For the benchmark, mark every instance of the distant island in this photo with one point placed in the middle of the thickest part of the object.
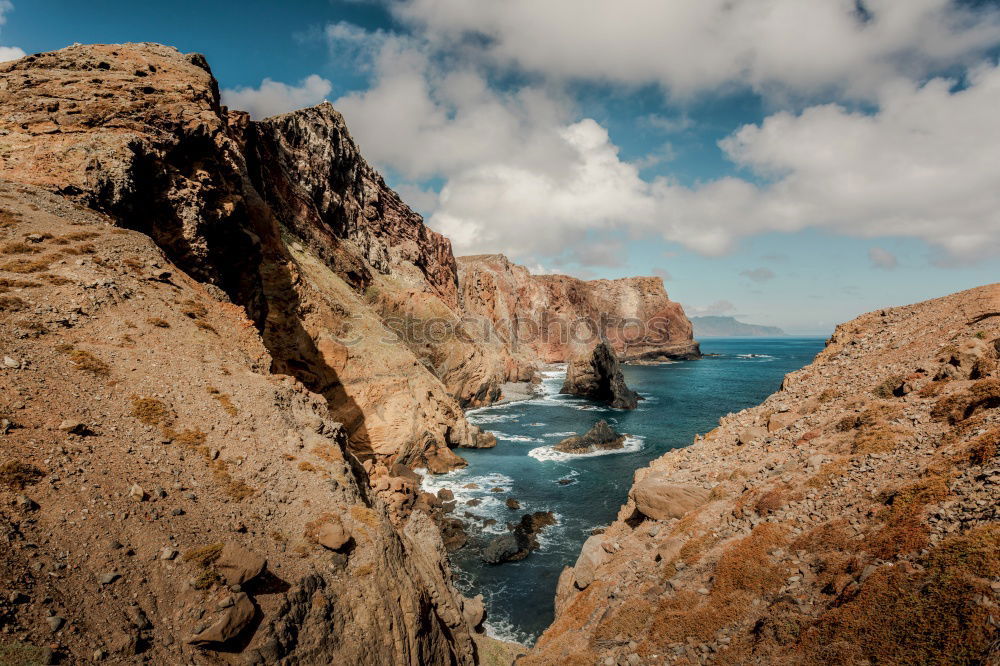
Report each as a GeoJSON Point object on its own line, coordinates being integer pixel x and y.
{"type": "Point", "coordinates": [729, 327]}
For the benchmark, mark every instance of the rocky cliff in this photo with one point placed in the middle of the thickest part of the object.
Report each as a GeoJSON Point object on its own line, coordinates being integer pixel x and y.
{"type": "Point", "coordinates": [193, 357]}
{"type": "Point", "coordinates": [550, 317]}
{"type": "Point", "coordinates": [852, 518]}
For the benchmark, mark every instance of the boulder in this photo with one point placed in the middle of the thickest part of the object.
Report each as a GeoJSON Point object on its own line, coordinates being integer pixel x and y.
{"type": "Point", "coordinates": [520, 541]}
{"type": "Point", "coordinates": [474, 612]}
{"type": "Point", "coordinates": [513, 504]}
{"type": "Point", "coordinates": [238, 565]}
{"type": "Point", "coordinates": [751, 435]}
{"type": "Point", "coordinates": [660, 499]}
{"type": "Point", "coordinates": [600, 437]}
{"type": "Point", "coordinates": [668, 549]}
{"type": "Point", "coordinates": [592, 555]}
{"type": "Point", "coordinates": [781, 420]}
{"type": "Point", "coordinates": [597, 375]}
{"type": "Point", "coordinates": [230, 623]}
{"type": "Point", "coordinates": [445, 495]}
{"type": "Point", "coordinates": [332, 535]}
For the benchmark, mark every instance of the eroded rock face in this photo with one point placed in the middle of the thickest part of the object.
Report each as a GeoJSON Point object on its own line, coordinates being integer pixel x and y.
{"type": "Point", "coordinates": [597, 375]}
{"type": "Point", "coordinates": [544, 316]}
{"type": "Point", "coordinates": [600, 437]}
{"type": "Point", "coordinates": [238, 321]}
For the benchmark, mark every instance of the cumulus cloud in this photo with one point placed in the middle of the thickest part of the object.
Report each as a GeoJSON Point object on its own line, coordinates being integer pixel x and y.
{"type": "Point", "coordinates": [273, 97]}
{"type": "Point", "coordinates": [691, 47]}
{"type": "Point", "coordinates": [8, 52]}
{"type": "Point", "coordinates": [758, 274]}
{"type": "Point", "coordinates": [523, 174]}
{"type": "Point", "coordinates": [663, 274]}
{"type": "Point", "coordinates": [882, 258]}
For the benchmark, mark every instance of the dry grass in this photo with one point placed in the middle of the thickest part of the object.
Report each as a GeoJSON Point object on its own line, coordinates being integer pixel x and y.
{"type": "Point", "coordinates": [21, 654]}
{"type": "Point", "coordinates": [87, 362]}
{"type": "Point", "coordinates": [204, 555]}
{"type": "Point", "coordinates": [8, 220]}
{"type": "Point", "coordinates": [19, 248]}
{"type": "Point", "coordinates": [84, 248]}
{"type": "Point", "coordinates": [827, 474]}
{"type": "Point", "coordinates": [307, 466]}
{"type": "Point", "coordinates": [25, 265]}
{"type": "Point", "coordinates": [151, 411]}
{"type": "Point", "coordinates": [236, 489]}
{"type": "Point", "coordinates": [56, 280]}
{"type": "Point", "coordinates": [17, 474]}
{"type": "Point", "coordinates": [887, 388]}
{"type": "Point", "coordinates": [12, 283]}
{"type": "Point", "coordinates": [366, 516]}
{"type": "Point", "coordinates": [961, 405]}
{"type": "Point", "coordinates": [904, 528]}
{"type": "Point", "coordinates": [191, 439]}
{"type": "Point", "coordinates": [82, 236]}
{"type": "Point", "coordinates": [881, 438]}
{"type": "Point", "coordinates": [905, 615]}
{"type": "Point", "coordinates": [158, 323]}
{"type": "Point", "coordinates": [984, 448]}
{"type": "Point", "coordinates": [625, 623]}
{"type": "Point", "coordinates": [11, 303]}
{"type": "Point", "coordinates": [225, 400]}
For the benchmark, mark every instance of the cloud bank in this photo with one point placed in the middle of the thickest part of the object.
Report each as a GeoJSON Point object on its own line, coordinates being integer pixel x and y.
{"type": "Point", "coordinates": [274, 97]}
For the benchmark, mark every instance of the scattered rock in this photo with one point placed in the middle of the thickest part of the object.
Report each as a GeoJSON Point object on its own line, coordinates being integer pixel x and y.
{"type": "Point", "coordinates": [136, 492]}
{"type": "Point", "coordinates": [513, 504]}
{"type": "Point", "coordinates": [238, 565]}
{"type": "Point", "coordinates": [56, 622]}
{"type": "Point", "coordinates": [12, 363]}
{"type": "Point", "coordinates": [110, 577]}
{"type": "Point", "coordinates": [445, 495]}
{"type": "Point", "coordinates": [230, 623]}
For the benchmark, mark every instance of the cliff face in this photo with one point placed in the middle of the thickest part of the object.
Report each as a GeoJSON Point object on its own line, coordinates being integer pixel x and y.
{"type": "Point", "coordinates": [254, 300]}
{"type": "Point", "coordinates": [552, 316]}
{"type": "Point", "coordinates": [851, 518]}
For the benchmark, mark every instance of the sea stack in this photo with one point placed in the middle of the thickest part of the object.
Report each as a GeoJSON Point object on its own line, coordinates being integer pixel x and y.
{"type": "Point", "coordinates": [598, 375]}
{"type": "Point", "coordinates": [601, 437]}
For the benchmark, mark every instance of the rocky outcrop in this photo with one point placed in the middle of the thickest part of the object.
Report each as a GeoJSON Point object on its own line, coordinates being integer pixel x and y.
{"type": "Point", "coordinates": [545, 316]}
{"type": "Point", "coordinates": [851, 518]}
{"type": "Point", "coordinates": [234, 383]}
{"type": "Point", "coordinates": [601, 437]}
{"type": "Point", "coordinates": [596, 374]}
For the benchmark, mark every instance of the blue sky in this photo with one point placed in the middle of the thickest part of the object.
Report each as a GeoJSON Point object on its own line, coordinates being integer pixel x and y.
{"type": "Point", "coordinates": [789, 163]}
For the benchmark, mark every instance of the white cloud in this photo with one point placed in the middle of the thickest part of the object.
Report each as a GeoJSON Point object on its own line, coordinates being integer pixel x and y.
{"type": "Point", "coordinates": [663, 274]}
{"type": "Point", "coordinates": [274, 97]}
{"type": "Point", "coordinates": [882, 259]}
{"type": "Point", "coordinates": [522, 175]}
{"type": "Point", "coordinates": [691, 47]}
{"type": "Point", "coordinates": [8, 52]}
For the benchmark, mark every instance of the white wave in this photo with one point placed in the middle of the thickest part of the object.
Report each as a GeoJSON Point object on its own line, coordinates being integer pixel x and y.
{"type": "Point", "coordinates": [513, 438]}
{"type": "Point", "coordinates": [754, 356]}
{"type": "Point", "coordinates": [478, 418]}
{"type": "Point", "coordinates": [559, 434]}
{"type": "Point", "coordinates": [632, 444]}
{"type": "Point", "coordinates": [503, 630]}
{"type": "Point", "coordinates": [537, 425]}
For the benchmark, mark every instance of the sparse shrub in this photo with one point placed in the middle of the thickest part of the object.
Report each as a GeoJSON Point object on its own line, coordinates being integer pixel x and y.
{"type": "Point", "coordinates": [981, 335]}
{"type": "Point", "coordinates": [625, 623]}
{"type": "Point", "coordinates": [984, 394]}
{"type": "Point", "coordinates": [133, 263]}
{"type": "Point", "coordinates": [9, 283]}
{"type": "Point", "coordinates": [158, 323]}
{"type": "Point", "coordinates": [365, 515]}
{"type": "Point", "coordinates": [150, 411]}
{"type": "Point", "coordinates": [307, 466]}
{"type": "Point", "coordinates": [771, 501]}
{"type": "Point", "coordinates": [905, 615]}
{"type": "Point", "coordinates": [204, 325]}
{"type": "Point", "coordinates": [21, 654]}
{"type": "Point", "coordinates": [224, 399]}
{"type": "Point", "coordinates": [82, 235]}
{"type": "Point", "coordinates": [881, 438]}
{"type": "Point", "coordinates": [905, 530]}
{"type": "Point", "coordinates": [984, 448]}
{"type": "Point", "coordinates": [20, 475]}
{"type": "Point", "coordinates": [83, 248]}
{"type": "Point", "coordinates": [189, 438]}
{"type": "Point", "coordinates": [8, 220]}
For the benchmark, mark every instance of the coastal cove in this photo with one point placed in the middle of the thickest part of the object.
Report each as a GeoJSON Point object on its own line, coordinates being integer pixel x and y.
{"type": "Point", "coordinates": [682, 399]}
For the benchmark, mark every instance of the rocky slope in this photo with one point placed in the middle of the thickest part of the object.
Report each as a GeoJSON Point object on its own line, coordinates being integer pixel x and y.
{"type": "Point", "coordinates": [852, 518]}
{"type": "Point", "coordinates": [548, 317]}
{"type": "Point", "coordinates": [193, 357]}
{"type": "Point", "coordinates": [141, 429]}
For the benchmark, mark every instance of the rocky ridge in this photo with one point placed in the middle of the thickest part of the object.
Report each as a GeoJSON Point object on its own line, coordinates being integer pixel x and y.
{"type": "Point", "coordinates": [851, 518]}
{"type": "Point", "coordinates": [547, 317]}
{"type": "Point", "coordinates": [600, 437]}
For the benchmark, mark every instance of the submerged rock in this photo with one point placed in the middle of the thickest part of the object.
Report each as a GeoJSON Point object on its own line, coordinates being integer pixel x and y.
{"type": "Point", "coordinates": [598, 376]}
{"type": "Point", "coordinates": [600, 437]}
{"type": "Point", "coordinates": [520, 541]}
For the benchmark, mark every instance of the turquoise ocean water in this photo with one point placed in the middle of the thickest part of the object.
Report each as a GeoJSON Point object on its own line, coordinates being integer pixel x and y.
{"type": "Point", "coordinates": [681, 400]}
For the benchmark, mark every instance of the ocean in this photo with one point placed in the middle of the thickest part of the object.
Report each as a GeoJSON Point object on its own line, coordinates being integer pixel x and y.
{"type": "Point", "coordinates": [682, 399]}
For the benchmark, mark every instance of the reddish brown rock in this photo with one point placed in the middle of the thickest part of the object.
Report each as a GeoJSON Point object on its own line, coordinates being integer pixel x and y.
{"type": "Point", "coordinates": [597, 375]}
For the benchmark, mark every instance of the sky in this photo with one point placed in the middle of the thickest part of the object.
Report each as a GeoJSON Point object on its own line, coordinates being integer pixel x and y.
{"type": "Point", "coordinates": [791, 163]}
